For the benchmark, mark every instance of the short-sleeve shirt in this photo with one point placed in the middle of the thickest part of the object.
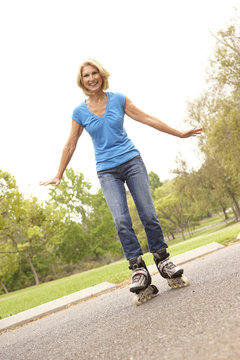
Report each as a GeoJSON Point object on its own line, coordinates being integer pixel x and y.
{"type": "Point", "coordinates": [112, 145]}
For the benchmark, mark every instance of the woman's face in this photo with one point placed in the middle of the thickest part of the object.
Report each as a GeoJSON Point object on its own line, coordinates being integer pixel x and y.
{"type": "Point", "coordinates": [91, 79]}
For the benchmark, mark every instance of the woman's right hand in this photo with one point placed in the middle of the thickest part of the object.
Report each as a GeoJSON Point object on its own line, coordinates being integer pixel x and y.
{"type": "Point", "coordinates": [68, 150]}
{"type": "Point", "coordinates": [55, 181]}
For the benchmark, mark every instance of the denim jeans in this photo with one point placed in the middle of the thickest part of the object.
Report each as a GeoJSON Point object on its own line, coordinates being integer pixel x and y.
{"type": "Point", "coordinates": [134, 174]}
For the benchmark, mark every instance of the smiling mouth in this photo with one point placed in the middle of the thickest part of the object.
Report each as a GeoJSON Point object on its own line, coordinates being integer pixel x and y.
{"type": "Point", "coordinates": [93, 84]}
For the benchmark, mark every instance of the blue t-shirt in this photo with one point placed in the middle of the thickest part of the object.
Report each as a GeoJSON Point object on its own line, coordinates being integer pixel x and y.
{"type": "Point", "coordinates": [112, 146]}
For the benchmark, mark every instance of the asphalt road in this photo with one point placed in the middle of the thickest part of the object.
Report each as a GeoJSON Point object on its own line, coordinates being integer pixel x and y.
{"type": "Point", "coordinates": [198, 322]}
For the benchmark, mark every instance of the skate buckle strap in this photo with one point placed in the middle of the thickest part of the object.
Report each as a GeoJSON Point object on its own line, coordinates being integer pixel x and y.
{"type": "Point", "coordinates": [164, 263]}
{"type": "Point", "coordinates": [140, 272]}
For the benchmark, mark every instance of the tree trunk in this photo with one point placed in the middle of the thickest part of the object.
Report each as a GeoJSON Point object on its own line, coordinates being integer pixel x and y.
{"type": "Point", "coordinates": [29, 261]}
{"type": "Point", "coordinates": [236, 206]}
{"type": "Point", "coordinates": [182, 232]}
{"type": "Point", "coordinates": [54, 270]}
{"type": "Point", "coordinates": [234, 213]}
{"type": "Point", "coordinates": [225, 213]}
{"type": "Point", "coordinates": [4, 287]}
{"type": "Point", "coordinates": [189, 230]}
{"type": "Point", "coordinates": [173, 236]}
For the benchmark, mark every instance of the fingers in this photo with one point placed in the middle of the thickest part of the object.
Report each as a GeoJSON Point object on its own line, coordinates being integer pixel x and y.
{"type": "Point", "coordinates": [193, 132]}
{"type": "Point", "coordinates": [197, 131]}
{"type": "Point", "coordinates": [50, 182]}
{"type": "Point", "coordinates": [44, 183]}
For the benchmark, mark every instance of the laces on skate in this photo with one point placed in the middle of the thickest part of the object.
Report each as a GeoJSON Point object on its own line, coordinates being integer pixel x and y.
{"type": "Point", "coordinates": [169, 270]}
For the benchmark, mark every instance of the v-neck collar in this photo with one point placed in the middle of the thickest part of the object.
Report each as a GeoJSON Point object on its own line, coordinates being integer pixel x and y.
{"type": "Point", "coordinates": [106, 110]}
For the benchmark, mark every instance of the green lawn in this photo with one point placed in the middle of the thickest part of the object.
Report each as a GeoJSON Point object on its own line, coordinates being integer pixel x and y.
{"type": "Point", "coordinates": [24, 299]}
{"type": "Point", "coordinates": [213, 220]}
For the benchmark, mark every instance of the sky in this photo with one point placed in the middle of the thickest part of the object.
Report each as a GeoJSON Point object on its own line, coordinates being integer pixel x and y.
{"type": "Point", "coordinates": [157, 52]}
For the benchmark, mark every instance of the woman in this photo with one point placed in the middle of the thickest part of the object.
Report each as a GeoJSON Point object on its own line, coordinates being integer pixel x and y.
{"type": "Point", "coordinates": [118, 161]}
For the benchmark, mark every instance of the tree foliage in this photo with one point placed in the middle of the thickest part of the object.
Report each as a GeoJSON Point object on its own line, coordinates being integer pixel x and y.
{"type": "Point", "coordinates": [28, 231]}
{"type": "Point", "coordinates": [217, 110]}
{"type": "Point", "coordinates": [154, 182]}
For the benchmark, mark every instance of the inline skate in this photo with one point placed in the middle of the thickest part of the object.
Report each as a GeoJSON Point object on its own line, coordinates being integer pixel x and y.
{"type": "Point", "coordinates": [168, 270]}
{"type": "Point", "coordinates": [141, 281]}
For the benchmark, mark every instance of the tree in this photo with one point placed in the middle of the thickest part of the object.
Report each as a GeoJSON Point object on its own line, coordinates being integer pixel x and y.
{"type": "Point", "coordinates": [212, 187]}
{"type": "Point", "coordinates": [9, 264]}
{"type": "Point", "coordinates": [223, 136]}
{"type": "Point", "coordinates": [225, 66]}
{"type": "Point", "coordinates": [217, 110]}
{"type": "Point", "coordinates": [27, 229]}
{"type": "Point", "coordinates": [102, 234]}
{"type": "Point", "coordinates": [220, 150]}
{"type": "Point", "coordinates": [90, 233]}
{"type": "Point", "coordinates": [171, 208]}
{"type": "Point", "coordinates": [9, 198]}
{"type": "Point", "coordinates": [32, 231]}
{"type": "Point", "coordinates": [73, 194]}
{"type": "Point", "coordinates": [154, 182]}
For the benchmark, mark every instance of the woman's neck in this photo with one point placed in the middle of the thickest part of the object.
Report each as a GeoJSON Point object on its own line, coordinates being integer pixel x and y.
{"type": "Point", "coordinates": [97, 103]}
{"type": "Point", "coordinates": [97, 97]}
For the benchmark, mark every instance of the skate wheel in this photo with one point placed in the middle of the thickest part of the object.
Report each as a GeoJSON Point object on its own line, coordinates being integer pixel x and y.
{"type": "Point", "coordinates": [145, 295]}
{"type": "Point", "coordinates": [178, 282]}
{"type": "Point", "coordinates": [136, 300]}
{"type": "Point", "coordinates": [185, 281]}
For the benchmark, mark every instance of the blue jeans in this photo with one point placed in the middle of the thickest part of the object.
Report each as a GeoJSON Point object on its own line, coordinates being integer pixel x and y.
{"type": "Point", "coordinates": [134, 173]}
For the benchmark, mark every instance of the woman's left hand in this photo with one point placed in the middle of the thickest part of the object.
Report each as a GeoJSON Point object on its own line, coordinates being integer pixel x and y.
{"type": "Point", "coordinates": [189, 133]}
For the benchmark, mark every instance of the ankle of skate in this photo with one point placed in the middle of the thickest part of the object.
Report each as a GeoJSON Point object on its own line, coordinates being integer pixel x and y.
{"type": "Point", "coordinates": [168, 269]}
{"type": "Point", "coordinates": [141, 278]}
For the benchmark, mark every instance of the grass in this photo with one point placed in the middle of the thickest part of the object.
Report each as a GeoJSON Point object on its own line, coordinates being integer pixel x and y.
{"type": "Point", "coordinates": [24, 299]}
{"type": "Point", "coordinates": [213, 220]}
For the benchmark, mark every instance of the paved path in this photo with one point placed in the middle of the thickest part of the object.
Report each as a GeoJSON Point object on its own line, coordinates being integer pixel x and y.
{"type": "Point", "coordinates": [63, 302]}
{"type": "Point", "coordinates": [198, 322]}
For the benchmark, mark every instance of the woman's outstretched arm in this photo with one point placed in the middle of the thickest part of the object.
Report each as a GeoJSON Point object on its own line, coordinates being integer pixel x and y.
{"type": "Point", "coordinates": [67, 153]}
{"type": "Point", "coordinates": [133, 112]}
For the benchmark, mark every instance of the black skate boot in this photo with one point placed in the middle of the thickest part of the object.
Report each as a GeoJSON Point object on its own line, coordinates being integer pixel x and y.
{"type": "Point", "coordinates": [141, 281]}
{"type": "Point", "coordinates": [168, 270]}
{"type": "Point", "coordinates": [141, 278]}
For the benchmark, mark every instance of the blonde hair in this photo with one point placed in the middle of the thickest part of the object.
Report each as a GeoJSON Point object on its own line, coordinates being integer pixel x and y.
{"type": "Point", "coordinates": [102, 71]}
